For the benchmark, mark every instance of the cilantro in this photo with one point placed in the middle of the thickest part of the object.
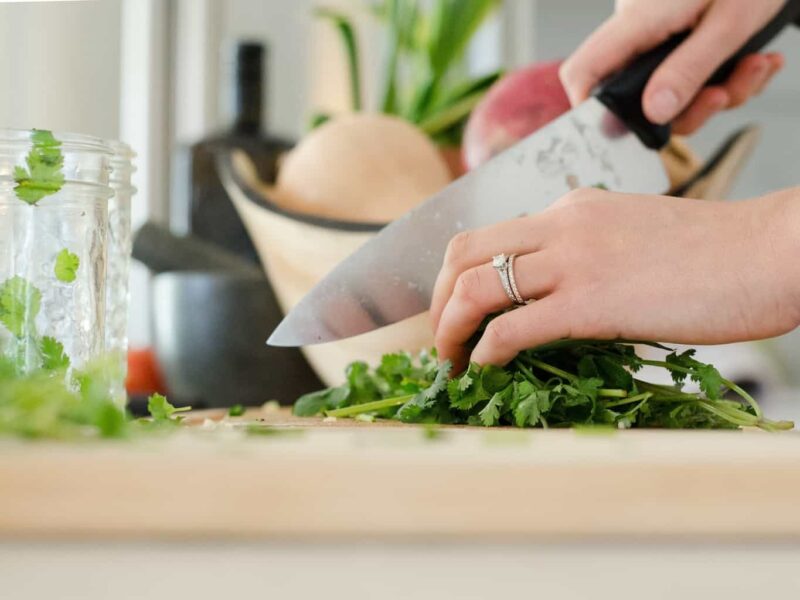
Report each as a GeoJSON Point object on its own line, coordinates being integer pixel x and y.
{"type": "Point", "coordinates": [53, 355]}
{"type": "Point", "coordinates": [318, 402]}
{"type": "Point", "coordinates": [237, 410]}
{"type": "Point", "coordinates": [570, 383]}
{"type": "Point", "coordinates": [44, 175]}
{"type": "Point", "coordinates": [490, 414]}
{"type": "Point", "coordinates": [161, 410]}
{"type": "Point", "coordinates": [67, 264]}
{"type": "Point", "coordinates": [20, 302]}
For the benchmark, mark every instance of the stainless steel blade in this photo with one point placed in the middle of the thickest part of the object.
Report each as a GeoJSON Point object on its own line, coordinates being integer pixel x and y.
{"type": "Point", "coordinates": [392, 276]}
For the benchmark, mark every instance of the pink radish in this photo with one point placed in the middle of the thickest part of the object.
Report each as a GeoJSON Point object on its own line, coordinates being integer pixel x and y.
{"type": "Point", "coordinates": [516, 106]}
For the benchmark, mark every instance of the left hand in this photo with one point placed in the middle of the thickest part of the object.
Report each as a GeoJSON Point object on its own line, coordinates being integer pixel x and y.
{"type": "Point", "coordinates": [605, 265]}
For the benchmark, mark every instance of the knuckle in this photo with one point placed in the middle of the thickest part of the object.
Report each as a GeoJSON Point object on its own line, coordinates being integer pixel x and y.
{"type": "Point", "coordinates": [458, 247]}
{"type": "Point", "coordinates": [498, 334]}
{"type": "Point", "coordinates": [467, 288]}
{"type": "Point", "coordinates": [686, 81]}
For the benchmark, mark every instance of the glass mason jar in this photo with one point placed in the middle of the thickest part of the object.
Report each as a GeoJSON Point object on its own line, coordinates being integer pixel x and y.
{"type": "Point", "coordinates": [53, 229]}
{"type": "Point", "coordinates": [120, 241]}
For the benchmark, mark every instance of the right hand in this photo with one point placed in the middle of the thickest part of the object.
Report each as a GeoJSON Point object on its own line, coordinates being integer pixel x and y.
{"type": "Point", "coordinates": [675, 92]}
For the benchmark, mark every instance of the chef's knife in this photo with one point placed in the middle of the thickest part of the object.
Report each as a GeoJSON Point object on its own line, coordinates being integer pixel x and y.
{"type": "Point", "coordinates": [606, 141]}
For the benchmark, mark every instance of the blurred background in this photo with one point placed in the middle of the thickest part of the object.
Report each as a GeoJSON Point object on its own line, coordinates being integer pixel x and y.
{"type": "Point", "coordinates": [171, 78]}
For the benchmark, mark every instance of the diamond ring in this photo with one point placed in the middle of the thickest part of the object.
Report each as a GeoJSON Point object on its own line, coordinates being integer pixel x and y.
{"type": "Point", "coordinates": [504, 265]}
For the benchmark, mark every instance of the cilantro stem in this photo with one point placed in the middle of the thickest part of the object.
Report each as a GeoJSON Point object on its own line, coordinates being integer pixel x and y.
{"type": "Point", "coordinates": [552, 370]}
{"type": "Point", "coordinates": [748, 398]}
{"type": "Point", "coordinates": [733, 416]}
{"type": "Point", "coordinates": [607, 393]}
{"type": "Point", "coordinates": [611, 393]}
{"type": "Point", "coordinates": [727, 383]}
{"type": "Point", "coordinates": [629, 400]}
{"type": "Point", "coordinates": [357, 409]}
{"type": "Point", "coordinates": [527, 372]}
{"type": "Point", "coordinates": [665, 392]}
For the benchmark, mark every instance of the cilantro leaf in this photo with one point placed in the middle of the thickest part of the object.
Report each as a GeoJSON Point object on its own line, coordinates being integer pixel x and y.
{"type": "Point", "coordinates": [161, 410]}
{"type": "Point", "coordinates": [53, 355]}
{"type": "Point", "coordinates": [20, 302]}
{"type": "Point", "coordinates": [490, 414]}
{"type": "Point", "coordinates": [67, 264]}
{"type": "Point", "coordinates": [315, 403]}
{"type": "Point", "coordinates": [237, 410]}
{"type": "Point", "coordinates": [44, 175]}
{"type": "Point", "coordinates": [707, 376]}
{"type": "Point", "coordinates": [413, 409]}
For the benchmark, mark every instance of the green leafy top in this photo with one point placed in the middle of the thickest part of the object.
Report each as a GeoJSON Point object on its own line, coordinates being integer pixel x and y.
{"type": "Point", "coordinates": [423, 83]}
{"type": "Point", "coordinates": [570, 383]}
{"type": "Point", "coordinates": [44, 175]}
{"type": "Point", "coordinates": [66, 268]}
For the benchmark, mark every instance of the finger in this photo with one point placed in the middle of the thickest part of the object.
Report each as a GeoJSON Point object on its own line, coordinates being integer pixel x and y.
{"type": "Point", "coordinates": [777, 63]}
{"type": "Point", "coordinates": [530, 326]}
{"type": "Point", "coordinates": [479, 293]}
{"type": "Point", "coordinates": [749, 75]}
{"type": "Point", "coordinates": [680, 77]}
{"type": "Point", "coordinates": [473, 248]}
{"type": "Point", "coordinates": [616, 42]}
{"type": "Point", "coordinates": [709, 102]}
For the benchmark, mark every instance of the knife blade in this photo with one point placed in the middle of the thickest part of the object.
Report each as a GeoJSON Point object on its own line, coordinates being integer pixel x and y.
{"type": "Point", "coordinates": [606, 141]}
{"type": "Point", "coordinates": [391, 277]}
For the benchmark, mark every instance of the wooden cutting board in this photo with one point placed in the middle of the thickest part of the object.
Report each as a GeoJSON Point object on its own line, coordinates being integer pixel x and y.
{"type": "Point", "coordinates": [311, 478]}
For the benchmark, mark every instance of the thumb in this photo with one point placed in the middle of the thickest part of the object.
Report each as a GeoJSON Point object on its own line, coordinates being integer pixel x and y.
{"type": "Point", "coordinates": [721, 32]}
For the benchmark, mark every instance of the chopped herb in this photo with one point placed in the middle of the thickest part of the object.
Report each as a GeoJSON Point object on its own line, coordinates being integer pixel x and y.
{"type": "Point", "coordinates": [53, 355]}
{"type": "Point", "coordinates": [162, 411]}
{"type": "Point", "coordinates": [570, 383]}
{"type": "Point", "coordinates": [44, 175]}
{"type": "Point", "coordinates": [20, 302]}
{"type": "Point", "coordinates": [67, 264]}
{"type": "Point", "coordinates": [237, 410]}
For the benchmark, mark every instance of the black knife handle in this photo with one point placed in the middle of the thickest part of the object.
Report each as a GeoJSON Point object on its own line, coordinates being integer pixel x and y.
{"type": "Point", "coordinates": [622, 92]}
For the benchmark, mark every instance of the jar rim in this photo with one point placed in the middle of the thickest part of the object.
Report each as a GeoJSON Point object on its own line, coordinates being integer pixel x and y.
{"type": "Point", "coordinates": [70, 142]}
{"type": "Point", "coordinates": [122, 151]}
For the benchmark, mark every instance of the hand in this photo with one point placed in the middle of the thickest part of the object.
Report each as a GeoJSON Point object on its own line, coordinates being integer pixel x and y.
{"type": "Point", "coordinates": [675, 91]}
{"type": "Point", "coordinates": [605, 265]}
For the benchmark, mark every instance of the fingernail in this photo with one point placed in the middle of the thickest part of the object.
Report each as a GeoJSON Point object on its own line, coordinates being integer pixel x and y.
{"type": "Point", "coordinates": [663, 105]}
{"type": "Point", "coordinates": [761, 72]}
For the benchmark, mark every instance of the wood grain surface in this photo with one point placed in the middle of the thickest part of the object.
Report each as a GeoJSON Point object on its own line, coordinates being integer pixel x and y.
{"type": "Point", "coordinates": [311, 478]}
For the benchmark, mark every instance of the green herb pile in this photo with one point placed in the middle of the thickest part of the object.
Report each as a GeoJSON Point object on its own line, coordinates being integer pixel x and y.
{"type": "Point", "coordinates": [55, 404]}
{"type": "Point", "coordinates": [564, 384]}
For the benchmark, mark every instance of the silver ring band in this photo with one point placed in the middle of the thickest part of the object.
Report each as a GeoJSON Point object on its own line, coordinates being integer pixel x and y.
{"type": "Point", "coordinates": [504, 265]}
{"type": "Point", "coordinates": [518, 300]}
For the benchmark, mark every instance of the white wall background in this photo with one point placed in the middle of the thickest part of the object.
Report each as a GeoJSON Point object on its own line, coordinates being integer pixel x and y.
{"type": "Point", "coordinates": [59, 66]}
